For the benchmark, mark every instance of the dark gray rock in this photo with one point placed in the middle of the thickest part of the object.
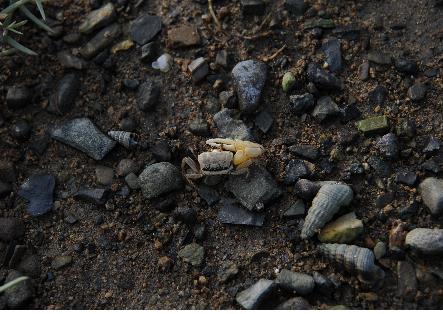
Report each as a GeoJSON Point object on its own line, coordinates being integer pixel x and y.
{"type": "Point", "coordinates": [296, 303]}
{"type": "Point", "coordinates": [379, 57]}
{"type": "Point", "coordinates": [232, 214]}
{"type": "Point", "coordinates": [264, 121]}
{"type": "Point", "coordinates": [132, 181]}
{"type": "Point", "coordinates": [431, 166]}
{"type": "Point", "coordinates": [227, 99]}
{"type": "Point", "coordinates": [199, 69]}
{"type": "Point", "coordinates": [145, 28]}
{"type": "Point", "coordinates": [295, 7]}
{"type": "Point", "coordinates": [149, 51]}
{"type": "Point", "coordinates": [406, 66]}
{"type": "Point", "coordinates": [406, 177]}
{"type": "Point", "coordinates": [254, 190]}
{"type": "Point", "coordinates": [160, 178]}
{"type": "Point", "coordinates": [323, 284]}
{"type": "Point", "coordinates": [295, 170]}
{"type": "Point", "coordinates": [363, 71]}
{"type": "Point", "coordinates": [252, 297]}
{"type": "Point", "coordinates": [253, 7]}
{"type": "Point", "coordinates": [148, 95]}
{"type": "Point", "coordinates": [432, 146]}
{"type": "Point", "coordinates": [431, 191]}
{"type": "Point", "coordinates": [417, 92]}
{"type": "Point", "coordinates": [199, 126]}
{"type": "Point", "coordinates": [325, 109]}
{"type": "Point", "coordinates": [305, 151]}
{"type": "Point", "coordinates": [222, 58]}
{"type": "Point", "coordinates": [69, 61]}
{"type": "Point", "coordinates": [301, 104]}
{"type": "Point", "coordinates": [131, 83]}
{"type": "Point", "coordinates": [331, 48]}
{"type": "Point", "coordinates": [95, 196]}
{"type": "Point", "coordinates": [104, 175]}
{"type": "Point", "coordinates": [19, 295]}
{"type": "Point", "coordinates": [30, 265]}
{"type": "Point", "coordinates": [406, 281]}
{"type": "Point", "coordinates": [295, 210]}
{"type": "Point", "coordinates": [126, 166]}
{"type": "Point", "coordinates": [18, 97]}
{"type": "Point", "coordinates": [307, 189]}
{"type": "Point", "coordinates": [388, 146]}
{"type": "Point", "coordinates": [128, 124]}
{"type": "Point", "coordinates": [425, 241]}
{"type": "Point", "coordinates": [323, 79]}
{"type": "Point", "coordinates": [38, 190]}
{"type": "Point", "coordinates": [349, 113]}
{"type": "Point", "coordinates": [99, 42]}
{"type": "Point", "coordinates": [83, 135]}
{"type": "Point", "coordinates": [21, 130]}
{"type": "Point", "coordinates": [302, 284]}
{"type": "Point", "coordinates": [406, 128]}
{"type": "Point", "coordinates": [229, 127]}
{"type": "Point", "coordinates": [63, 99]}
{"type": "Point", "coordinates": [378, 95]}
{"type": "Point", "coordinates": [209, 194]}
{"type": "Point", "coordinates": [381, 167]}
{"type": "Point", "coordinates": [186, 214]}
{"type": "Point", "coordinates": [11, 229]}
{"type": "Point", "coordinates": [249, 79]}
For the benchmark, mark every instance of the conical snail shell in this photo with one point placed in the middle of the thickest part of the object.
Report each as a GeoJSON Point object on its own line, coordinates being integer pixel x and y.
{"type": "Point", "coordinates": [127, 139]}
{"type": "Point", "coordinates": [325, 205]}
{"type": "Point", "coordinates": [353, 258]}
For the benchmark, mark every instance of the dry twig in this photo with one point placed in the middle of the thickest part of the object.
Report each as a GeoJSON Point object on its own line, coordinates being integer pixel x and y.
{"type": "Point", "coordinates": [214, 16]}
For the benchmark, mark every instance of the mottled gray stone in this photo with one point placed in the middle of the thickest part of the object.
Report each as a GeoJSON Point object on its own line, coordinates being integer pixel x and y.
{"type": "Point", "coordinates": [302, 284]}
{"type": "Point", "coordinates": [426, 241]}
{"type": "Point", "coordinates": [431, 190]}
{"type": "Point", "coordinates": [229, 127]}
{"type": "Point", "coordinates": [144, 28]}
{"type": "Point", "coordinates": [251, 298]}
{"type": "Point", "coordinates": [160, 178]}
{"type": "Point", "coordinates": [99, 42]}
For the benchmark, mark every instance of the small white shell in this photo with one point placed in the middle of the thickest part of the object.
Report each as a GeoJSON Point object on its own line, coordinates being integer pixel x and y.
{"type": "Point", "coordinates": [325, 205]}
{"type": "Point", "coordinates": [127, 139]}
{"type": "Point", "coordinates": [163, 63]}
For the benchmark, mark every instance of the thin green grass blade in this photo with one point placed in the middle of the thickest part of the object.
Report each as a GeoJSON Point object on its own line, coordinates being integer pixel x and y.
{"type": "Point", "coordinates": [12, 283]}
{"type": "Point", "coordinates": [40, 8]}
{"type": "Point", "coordinates": [34, 19]}
{"type": "Point", "coordinates": [18, 46]}
{"type": "Point", "coordinates": [14, 6]}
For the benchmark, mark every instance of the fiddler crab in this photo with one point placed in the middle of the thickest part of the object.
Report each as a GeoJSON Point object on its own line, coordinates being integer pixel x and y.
{"type": "Point", "coordinates": [228, 157]}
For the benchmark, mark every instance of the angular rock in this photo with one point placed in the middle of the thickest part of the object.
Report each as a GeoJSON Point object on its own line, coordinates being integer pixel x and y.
{"type": "Point", "coordinates": [95, 196]}
{"type": "Point", "coordinates": [18, 97]}
{"type": "Point", "coordinates": [192, 254]}
{"type": "Point", "coordinates": [83, 135]}
{"type": "Point", "coordinates": [432, 146]}
{"type": "Point", "coordinates": [99, 42]}
{"type": "Point", "coordinates": [426, 241]}
{"type": "Point", "coordinates": [222, 58]}
{"type": "Point", "coordinates": [325, 109]}
{"type": "Point", "coordinates": [199, 68]}
{"type": "Point", "coordinates": [149, 51]}
{"type": "Point", "coordinates": [229, 271]}
{"type": "Point", "coordinates": [295, 210]}
{"type": "Point", "coordinates": [417, 92]}
{"type": "Point", "coordinates": [363, 71]}
{"type": "Point", "coordinates": [70, 61]}
{"type": "Point", "coordinates": [126, 166]}
{"type": "Point", "coordinates": [331, 48]}
{"type": "Point", "coordinates": [19, 295]}
{"type": "Point", "coordinates": [264, 121]}
{"type": "Point", "coordinates": [388, 146]}
{"type": "Point", "coordinates": [252, 297]}
{"type": "Point", "coordinates": [373, 125]}
{"type": "Point", "coordinates": [296, 303]}
{"type": "Point", "coordinates": [323, 79]}
{"type": "Point", "coordinates": [345, 229]}
{"type": "Point", "coordinates": [209, 194]}
{"type": "Point", "coordinates": [38, 190]}
{"type": "Point", "coordinates": [406, 66]}
{"type": "Point", "coordinates": [381, 168]}
{"type": "Point", "coordinates": [97, 19]}
{"type": "Point", "coordinates": [199, 126]}
{"type": "Point", "coordinates": [231, 214]}
{"type": "Point", "coordinates": [11, 229]}
{"type": "Point", "coordinates": [378, 95]}
{"type": "Point", "coordinates": [379, 57]}
{"type": "Point", "coordinates": [231, 128]}
{"type": "Point", "coordinates": [148, 95]}
{"type": "Point", "coordinates": [63, 99]}
{"type": "Point", "coordinates": [183, 36]}
{"type": "Point", "coordinates": [301, 104]}
{"type": "Point", "coordinates": [249, 79]}
{"type": "Point", "coordinates": [431, 191]}
{"type": "Point", "coordinates": [406, 177]}
{"type": "Point", "coordinates": [255, 190]}
{"type": "Point", "coordinates": [305, 151]}
{"type": "Point", "coordinates": [160, 178]}
{"type": "Point", "coordinates": [104, 175]}
{"type": "Point", "coordinates": [295, 170]}
{"type": "Point", "coordinates": [406, 281]}
{"type": "Point", "coordinates": [145, 28]}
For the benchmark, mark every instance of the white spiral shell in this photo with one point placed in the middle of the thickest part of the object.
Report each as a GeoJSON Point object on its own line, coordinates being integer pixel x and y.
{"type": "Point", "coordinates": [127, 139]}
{"type": "Point", "coordinates": [325, 205]}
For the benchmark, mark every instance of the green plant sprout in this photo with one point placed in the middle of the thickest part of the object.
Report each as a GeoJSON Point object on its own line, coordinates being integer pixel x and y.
{"type": "Point", "coordinates": [9, 27]}
{"type": "Point", "coordinates": [12, 283]}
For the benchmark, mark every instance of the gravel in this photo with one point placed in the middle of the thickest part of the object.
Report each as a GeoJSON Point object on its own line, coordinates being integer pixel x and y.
{"type": "Point", "coordinates": [159, 178]}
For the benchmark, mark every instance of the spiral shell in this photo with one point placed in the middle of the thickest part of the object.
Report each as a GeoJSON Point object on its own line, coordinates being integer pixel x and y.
{"type": "Point", "coordinates": [325, 205]}
{"type": "Point", "coordinates": [127, 139]}
{"type": "Point", "coordinates": [354, 258]}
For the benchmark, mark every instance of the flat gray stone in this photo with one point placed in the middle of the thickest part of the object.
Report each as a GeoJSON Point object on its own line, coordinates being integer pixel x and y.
{"type": "Point", "coordinates": [145, 28]}
{"type": "Point", "coordinates": [302, 284]}
{"type": "Point", "coordinates": [231, 214]}
{"type": "Point", "coordinates": [38, 190]}
{"type": "Point", "coordinates": [229, 127]}
{"type": "Point", "coordinates": [249, 78]}
{"type": "Point", "coordinates": [251, 298]}
{"type": "Point", "coordinates": [160, 178]}
{"type": "Point", "coordinates": [431, 191]}
{"type": "Point", "coordinates": [254, 190]}
{"type": "Point", "coordinates": [83, 135]}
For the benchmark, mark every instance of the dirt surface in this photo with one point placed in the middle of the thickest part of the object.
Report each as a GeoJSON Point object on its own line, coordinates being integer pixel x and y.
{"type": "Point", "coordinates": [116, 247]}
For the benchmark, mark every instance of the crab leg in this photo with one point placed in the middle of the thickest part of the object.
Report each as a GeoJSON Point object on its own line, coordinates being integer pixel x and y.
{"type": "Point", "coordinates": [222, 143]}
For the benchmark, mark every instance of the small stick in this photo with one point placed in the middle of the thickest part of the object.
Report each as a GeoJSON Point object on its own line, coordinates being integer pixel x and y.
{"type": "Point", "coordinates": [275, 55]}
{"type": "Point", "coordinates": [258, 36]}
{"type": "Point", "coordinates": [214, 16]}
